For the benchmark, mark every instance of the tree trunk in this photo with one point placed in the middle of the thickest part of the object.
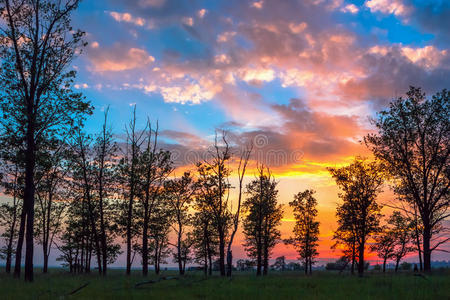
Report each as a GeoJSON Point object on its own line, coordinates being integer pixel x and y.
{"type": "Point", "coordinates": [426, 249]}
{"type": "Point", "coordinates": [229, 262]}
{"type": "Point", "coordinates": [384, 265]}
{"type": "Point", "coordinates": [222, 251]}
{"type": "Point", "coordinates": [397, 261]}
{"type": "Point", "coordinates": [129, 215]}
{"type": "Point", "coordinates": [145, 240]}
{"type": "Point", "coordinates": [28, 198]}
{"type": "Point", "coordinates": [361, 260]}
{"type": "Point", "coordinates": [266, 256]}
{"type": "Point", "coordinates": [104, 246]}
{"type": "Point", "coordinates": [45, 268]}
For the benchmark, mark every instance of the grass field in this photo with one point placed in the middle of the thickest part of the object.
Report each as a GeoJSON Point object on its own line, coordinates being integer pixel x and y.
{"type": "Point", "coordinates": [278, 285]}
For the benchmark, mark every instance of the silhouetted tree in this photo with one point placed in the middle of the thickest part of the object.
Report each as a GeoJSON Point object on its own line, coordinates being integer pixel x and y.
{"type": "Point", "coordinates": [306, 229]}
{"type": "Point", "coordinates": [412, 140]}
{"type": "Point", "coordinates": [359, 214]}
{"type": "Point", "coordinates": [51, 195]}
{"type": "Point", "coordinates": [180, 194]}
{"type": "Point", "coordinates": [401, 231]}
{"type": "Point", "coordinates": [214, 188]}
{"type": "Point", "coordinates": [84, 178]}
{"type": "Point", "coordinates": [11, 182]}
{"type": "Point", "coordinates": [279, 264]}
{"type": "Point", "coordinates": [384, 245]}
{"type": "Point", "coordinates": [263, 215]}
{"type": "Point", "coordinates": [204, 236]}
{"type": "Point", "coordinates": [37, 44]}
{"type": "Point", "coordinates": [154, 167]}
{"type": "Point", "coordinates": [130, 177]}
{"type": "Point", "coordinates": [105, 149]}
{"type": "Point", "coordinates": [242, 167]}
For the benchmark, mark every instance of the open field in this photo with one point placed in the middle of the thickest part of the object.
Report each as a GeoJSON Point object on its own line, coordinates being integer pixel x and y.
{"type": "Point", "coordinates": [286, 285]}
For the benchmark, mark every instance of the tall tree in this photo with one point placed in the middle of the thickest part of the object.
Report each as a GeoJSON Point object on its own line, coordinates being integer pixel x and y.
{"type": "Point", "coordinates": [154, 167]}
{"type": "Point", "coordinates": [37, 44]}
{"type": "Point", "coordinates": [84, 177]}
{"type": "Point", "coordinates": [359, 214]}
{"type": "Point", "coordinates": [105, 149]}
{"type": "Point", "coordinates": [51, 192]}
{"type": "Point", "coordinates": [412, 140]}
{"type": "Point", "coordinates": [129, 171]}
{"type": "Point", "coordinates": [215, 187]}
{"type": "Point", "coordinates": [306, 229]}
{"type": "Point", "coordinates": [242, 167]}
{"type": "Point", "coordinates": [204, 236]}
{"type": "Point", "coordinates": [263, 215]}
{"type": "Point", "coordinates": [180, 194]}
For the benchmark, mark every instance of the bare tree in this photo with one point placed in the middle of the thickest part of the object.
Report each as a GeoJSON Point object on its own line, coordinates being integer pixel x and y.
{"type": "Point", "coordinates": [242, 167]}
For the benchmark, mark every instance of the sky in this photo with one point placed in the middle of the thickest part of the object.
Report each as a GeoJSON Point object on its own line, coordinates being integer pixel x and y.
{"type": "Point", "coordinates": [301, 79]}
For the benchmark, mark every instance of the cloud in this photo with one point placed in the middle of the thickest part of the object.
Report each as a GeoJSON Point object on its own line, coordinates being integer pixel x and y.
{"type": "Point", "coordinates": [350, 8]}
{"type": "Point", "coordinates": [396, 7]}
{"type": "Point", "coordinates": [128, 18]}
{"type": "Point", "coordinates": [119, 58]}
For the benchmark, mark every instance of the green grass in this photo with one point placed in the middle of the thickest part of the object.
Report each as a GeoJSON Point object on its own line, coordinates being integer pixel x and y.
{"type": "Point", "coordinates": [278, 285]}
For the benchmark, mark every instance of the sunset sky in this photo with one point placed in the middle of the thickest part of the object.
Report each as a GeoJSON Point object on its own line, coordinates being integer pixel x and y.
{"type": "Point", "coordinates": [299, 78]}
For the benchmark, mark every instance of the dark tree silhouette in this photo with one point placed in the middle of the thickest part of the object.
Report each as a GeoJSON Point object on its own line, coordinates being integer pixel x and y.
{"type": "Point", "coordinates": [128, 171]}
{"type": "Point", "coordinates": [51, 190]}
{"type": "Point", "coordinates": [384, 245]}
{"type": "Point", "coordinates": [413, 141]}
{"type": "Point", "coordinates": [306, 229]}
{"type": "Point", "coordinates": [11, 182]}
{"type": "Point", "coordinates": [214, 189]}
{"type": "Point", "coordinates": [359, 214]}
{"type": "Point", "coordinates": [180, 194]}
{"type": "Point", "coordinates": [263, 215]}
{"type": "Point", "coordinates": [154, 167]}
{"type": "Point", "coordinates": [242, 167]}
{"type": "Point", "coordinates": [37, 44]}
{"type": "Point", "coordinates": [402, 232]}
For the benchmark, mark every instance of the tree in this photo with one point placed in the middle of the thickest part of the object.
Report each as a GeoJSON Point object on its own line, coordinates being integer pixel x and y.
{"type": "Point", "coordinates": [242, 167]}
{"type": "Point", "coordinates": [401, 232]}
{"type": "Point", "coordinates": [412, 141]}
{"type": "Point", "coordinates": [384, 245]}
{"type": "Point", "coordinates": [51, 192]}
{"type": "Point", "coordinates": [180, 194]}
{"type": "Point", "coordinates": [37, 44]}
{"type": "Point", "coordinates": [104, 174]}
{"type": "Point", "coordinates": [159, 229]}
{"type": "Point", "coordinates": [214, 189]}
{"type": "Point", "coordinates": [263, 215]}
{"type": "Point", "coordinates": [12, 185]}
{"type": "Point", "coordinates": [128, 171]}
{"type": "Point", "coordinates": [306, 229]}
{"type": "Point", "coordinates": [245, 264]}
{"type": "Point", "coordinates": [204, 237]}
{"type": "Point", "coordinates": [84, 178]}
{"type": "Point", "coordinates": [155, 166]}
{"type": "Point", "coordinates": [359, 214]}
{"type": "Point", "coordinates": [279, 264]}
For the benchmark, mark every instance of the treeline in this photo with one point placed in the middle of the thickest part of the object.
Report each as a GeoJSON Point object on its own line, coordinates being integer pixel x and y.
{"type": "Point", "coordinates": [88, 194]}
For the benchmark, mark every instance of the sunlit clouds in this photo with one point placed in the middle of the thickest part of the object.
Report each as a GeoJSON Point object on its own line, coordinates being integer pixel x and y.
{"type": "Point", "coordinates": [305, 75]}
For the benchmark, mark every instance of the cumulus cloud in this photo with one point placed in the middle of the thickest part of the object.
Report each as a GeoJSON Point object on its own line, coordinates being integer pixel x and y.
{"type": "Point", "coordinates": [396, 7]}
{"type": "Point", "coordinates": [119, 58]}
